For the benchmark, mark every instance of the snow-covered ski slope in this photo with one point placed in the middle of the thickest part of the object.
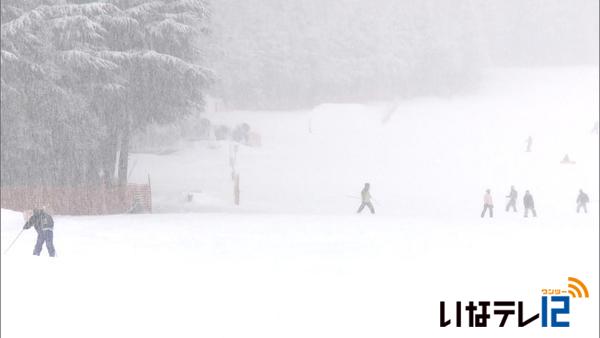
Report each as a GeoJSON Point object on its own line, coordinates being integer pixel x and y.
{"type": "Point", "coordinates": [430, 157]}
{"type": "Point", "coordinates": [295, 261]}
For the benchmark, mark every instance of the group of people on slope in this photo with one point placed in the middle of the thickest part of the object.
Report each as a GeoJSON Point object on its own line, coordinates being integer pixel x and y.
{"type": "Point", "coordinates": [488, 204]}
{"type": "Point", "coordinates": [43, 223]}
{"type": "Point", "coordinates": [528, 203]}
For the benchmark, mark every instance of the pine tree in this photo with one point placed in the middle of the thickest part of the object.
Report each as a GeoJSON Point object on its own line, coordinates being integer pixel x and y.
{"type": "Point", "coordinates": [77, 78]}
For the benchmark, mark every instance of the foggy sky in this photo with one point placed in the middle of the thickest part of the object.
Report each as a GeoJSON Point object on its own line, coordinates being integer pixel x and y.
{"type": "Point", "coordinates": [285, 54]}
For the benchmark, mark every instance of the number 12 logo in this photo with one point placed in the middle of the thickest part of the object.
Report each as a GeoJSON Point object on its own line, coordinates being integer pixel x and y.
{"type": "Point", "coordinates": [554, 312]}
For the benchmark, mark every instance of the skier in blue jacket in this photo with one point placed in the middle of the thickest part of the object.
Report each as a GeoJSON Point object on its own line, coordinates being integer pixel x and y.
{"type": "Point", "coordinates": [43, 223]}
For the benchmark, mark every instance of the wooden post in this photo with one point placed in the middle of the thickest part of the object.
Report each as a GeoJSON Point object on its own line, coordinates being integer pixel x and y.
{"type": "Point", "coordinates": [103, 197]}
{"type": "Point", "coordinates": [236, 189]}
{"type": "Point", "coordinates": [233, 149]}
{"type": "Point", "coordinates": [149, 195]}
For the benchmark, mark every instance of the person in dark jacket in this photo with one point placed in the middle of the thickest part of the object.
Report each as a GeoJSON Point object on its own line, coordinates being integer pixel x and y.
{"type": "Point", "coordinates": [365, 196]}
{"type": "Point", "coordinates": [43, 223]}
{"type": "Point", "coordinates": [528, 204]}
{"type": "Point", "coordinates": [582, 200]}
{"type": "Point", "coordinates": [512, 199]}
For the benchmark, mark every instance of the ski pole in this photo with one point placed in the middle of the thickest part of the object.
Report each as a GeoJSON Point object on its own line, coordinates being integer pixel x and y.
{"type": "Point", "coordinates": [14, 240]}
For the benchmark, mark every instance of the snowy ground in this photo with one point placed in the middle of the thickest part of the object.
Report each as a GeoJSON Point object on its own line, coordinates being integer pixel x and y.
{"type": "Point", "coordinates": [431, 157]}
{"type": "Point", "coordinates": [294, 261]}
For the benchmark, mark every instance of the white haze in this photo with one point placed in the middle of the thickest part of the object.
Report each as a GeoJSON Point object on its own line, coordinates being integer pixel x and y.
{"type": "Point", "coordinates": [431, 101]}
{"type": "Point", "coordinates": [290, 54]}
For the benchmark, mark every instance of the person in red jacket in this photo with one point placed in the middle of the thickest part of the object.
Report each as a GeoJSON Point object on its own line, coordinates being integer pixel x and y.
{"type": "Point", "coordinates": [488, 204]}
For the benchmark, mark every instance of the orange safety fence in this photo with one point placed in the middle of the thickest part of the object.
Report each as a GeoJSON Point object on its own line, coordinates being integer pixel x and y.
{"type": "Point", "coordinates": [82, 200]}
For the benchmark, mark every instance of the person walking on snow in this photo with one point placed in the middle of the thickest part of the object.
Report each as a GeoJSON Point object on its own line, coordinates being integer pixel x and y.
{"type": "Point", "coordinates": [528, 204]}
{"type": "Point", "coordinates": [529, 143]}
{"type": "Point", "coordinates": [43, 223]}
{"type": "Point", "coordinates": [582, 200]}
{"type": "Point", "coordinates": [566, 160]}
{"type": "Point", "coordinates": [488, 204]}
{"type": "Point", "coordinates": [365, 196]}
{"type": "Point", "coordinates": [512, 199]}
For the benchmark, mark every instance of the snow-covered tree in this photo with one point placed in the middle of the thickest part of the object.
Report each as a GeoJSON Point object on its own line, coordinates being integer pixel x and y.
{"type": "Point", "coordinates": [85, 74]}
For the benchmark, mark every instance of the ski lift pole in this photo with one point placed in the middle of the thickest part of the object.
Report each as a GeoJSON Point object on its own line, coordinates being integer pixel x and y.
{"type": "Point", "coordinates": [14, 240]}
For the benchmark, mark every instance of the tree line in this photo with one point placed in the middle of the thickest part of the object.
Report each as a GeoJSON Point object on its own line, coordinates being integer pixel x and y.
{"type": "Point", "coordinates": [79, 77]}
